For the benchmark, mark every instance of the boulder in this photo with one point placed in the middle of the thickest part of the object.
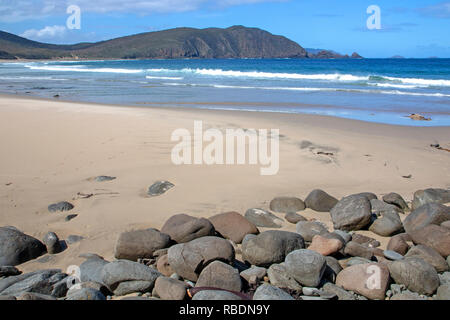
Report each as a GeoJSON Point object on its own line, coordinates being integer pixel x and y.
{"type": "Point", "coordinates": [91, 269]}
{"type": "Point", "coordinates": [125, 277]}
{"type": "Point", "coordinates": [52, 243]}
{"type": "Point", "coordinates": [60, 207]}
{"type": "Point", "coordinates": [280, 277]}
{"type": "Point", "coordinates": [388, 225]}
{"type": "Point", "coordinates": [398, 244]}
{"type": "Point", "coordinates": [171, 289]}
{"type": "Point", "coordinates": [306, 266]}
{"type": "Point", "coordinates": [294, 218]}
{"type": "Point", "coordinates": [159, 188]}
{"type": "Point", "coordinates": [338, 291]}
{"type": "Point", "coordinates": [287, 204]}
{"type": "Point", "coordinates": [351, 213]}
{"type": "Point", "coordinates": [416, 274]}
{"type": "Point", "coordinates": [7, 271]}
{"type": "Point", "coordinates": [379, 207]}
{"type": "Point", "coordinates": [263, 218]}
{"type": "Point", "coordinates": [164, 267]}
{"type": "Point", "coordinates": [396, 200]}
{"type": "Point", "coordinates": [41, 281]}
{"type": "Point", "coordinates": [270, 247]}
{"type": "Point", "coordinates": [268, 292]}
{"type": "Point", "coordinates": [369, 280]}
{"type": "Point", "coordinates": [183, 228]}
{"type": "Point", "coordinates": [189, 259]}
{"type": "Point", "coordinates": [308, 229]}
{"type": "Point", "coordinates": [319, 200]}
{"type": "Point", "coordinates": [365, 240]}
{"type": "Point", "coordinates": [216, 295]}
{"type": "Point", "coordinates": [392, 255]}
{"type": "Point", "coordinates": [220, 275]}
{"type": "Point", "coordinates": [85, 294]}
{"type": "Point", "coordinates": [432, 213]}
{"type": "Point", "coordinates": [140, 244]}
{"type": "Point", "coordinates": [429, 255]}
{"type": "Point", "coordinates": [422, 197]}
{"type": "Point", "coordinates": [443, 292]}
{"type": "Point", "coordinates": [17, 247]}
{"type": "Point", "coordinates": [368, 195]}
{"type": "Point", "coordinates": [435, 237]}
{"type": "Point", "coordinates": [254, 273]}
{"type": "Point", "coordinates": [355, 249]}
{"type": "Point", "coordinates": [325, 246]}
{"type": "Point", "coordinates": [233, 226]}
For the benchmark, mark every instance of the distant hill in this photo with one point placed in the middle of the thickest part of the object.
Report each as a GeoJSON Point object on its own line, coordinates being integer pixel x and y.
{"type": "Point", "coordinates": [329, 54]}
{"type": "Point", "coordinates": [234, 42]}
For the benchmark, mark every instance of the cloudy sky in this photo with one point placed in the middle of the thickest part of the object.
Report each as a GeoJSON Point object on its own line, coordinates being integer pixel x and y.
{"type": "Point", "coordinates": [411, 28]}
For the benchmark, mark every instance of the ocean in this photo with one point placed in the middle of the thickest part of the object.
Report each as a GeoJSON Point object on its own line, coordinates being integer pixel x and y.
{"type": "Point", "coordinates": [375, 90]}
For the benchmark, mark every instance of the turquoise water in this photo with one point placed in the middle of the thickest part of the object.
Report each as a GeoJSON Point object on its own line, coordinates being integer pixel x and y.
{"type": "Point", "coordinates": [376, 90]}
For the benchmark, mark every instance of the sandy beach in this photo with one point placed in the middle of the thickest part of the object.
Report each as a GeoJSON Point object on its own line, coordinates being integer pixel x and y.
{"type": "Point", "coordinates": [52, 149]}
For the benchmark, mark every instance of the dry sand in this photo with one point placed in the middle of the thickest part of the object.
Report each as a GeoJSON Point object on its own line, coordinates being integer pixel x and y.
{"type": "Point", "coordinates": [50, 149]}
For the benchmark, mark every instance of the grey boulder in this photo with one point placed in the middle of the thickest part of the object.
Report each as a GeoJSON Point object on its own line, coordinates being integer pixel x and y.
{"type": "Point", "coordinates": [183, 228]}
{"type": "Point", "coordinates": [429, 255]}
{"type": "Point", "coordinates": [308, 229]}
{"type": "Point", "coordinates": [268, 292]}
{"type": "Point", "coordinates": [287, 204]}
{"type": "Point", "coordinates": [319, 200]}
{"type": "Point", "coordinates": [431, 213]}
{"type": "Point", "coordinates": [351, 213]}
{"type": "Point", "coordinates": [431, 195]}
{"type": "Point", "coordinates": [220, 275]}
{"type": "Point", "coordinates": [306, 266]}
{"type": "Point", "coordinates": [396, 200]}
{"type": "Point", "coordinates": [16, 247]}
{"type": "Point", "coordinates": [263, 218]}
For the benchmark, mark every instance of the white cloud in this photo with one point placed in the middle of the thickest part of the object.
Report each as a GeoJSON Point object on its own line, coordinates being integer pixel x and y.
{"type": "Point", "coordinates": [49, 32]}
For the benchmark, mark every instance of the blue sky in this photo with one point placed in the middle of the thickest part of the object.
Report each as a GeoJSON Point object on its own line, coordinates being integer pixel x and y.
{"type": "Point", "coordinates": [411, 28]}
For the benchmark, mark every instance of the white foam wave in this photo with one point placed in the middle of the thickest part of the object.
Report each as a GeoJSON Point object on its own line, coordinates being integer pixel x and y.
{"type": "Point", "coordinates": [419, 81]}
{"type": "Point", "coordinates": [33, 78]}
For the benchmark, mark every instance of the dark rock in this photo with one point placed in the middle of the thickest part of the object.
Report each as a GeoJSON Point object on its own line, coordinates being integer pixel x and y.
{"type": "Point", "coordinates": [263, 218]}
{"type": "Point", "coordinates": [287, 204]}
{"type": "Point", "coordinates": [216, 295]}
{"type": "Point", "coordinates": [379, 207]}
{"type": "Point", "coordinates": [398, 244]}
{"type": "Point", "coordinates": [308, 229]}
{"type": "Point", "coordinates": [52, 243]}
{"type": "Point", "coordinates": [70, 217]}
{"type": "Point", "coordinates": [139, 244]}
{"type": "Point", "coordinates": [60, 207]}
{"type": "Point", "coordinates": [429, 255]}
{"type": "Point", "coordinates": [293, 217]}
{"type": "Point", "coordinates": [396, 200]}
{"type": "Point", "coordinates": [388, 225]}
{"type": "Point", "coordinates": [74, 239]}
{"type": "Point", "coordinates": [39, 281]}
{"type": "Point", "coordinates": [416, 274]}
{"type": "Point", "coordinates": [133, 286]}
{"type": "Point", "coordinates": [368, 195]}
{"type": "Point", "coordinates": [7, 271]}
{"type": "Point", "coordinates": [159, 188]}
{"type": "Point", "coordinates": [433, 236]}
{"type": "Point", "coordinates": [183, 228]}
{"type": "Point", "coordinates": [355, 249]}
{"type": "Point", "coordinates": [365, 240]}
{"type": "Point", "coordinates": [171, 289]}
{"type": "Point", "coordinates": [341, 293]}
{"type": "Point", "coordinates": [351, 213]}
{"type": "Point", "coordinates": [270, 247]}
{"type": "Point", "coordinates": [189, 259]}
{"type": "Point", "coordinates": [432, 213]}
{"type": "Point", "coordinates": [280, 277]}
{"type": "Point", "coordinates": [104, 178]}
{"type": "Point", "coordinates": [422, 197]}
{"type": "Point", "coordinates": [17, 247]}
{"type": "Point", "coordinates": [306, 266]}
{"type": "Point", "coordinates": [319, 200]}
{"type": "Point", "coordinates": [268, 292]}
{"type": "Point", "coordinates": [220, 275]}
{"type": "Point", "coordinates": [233, 226]}
{"type": "Point", "coordinates": [85, 294]}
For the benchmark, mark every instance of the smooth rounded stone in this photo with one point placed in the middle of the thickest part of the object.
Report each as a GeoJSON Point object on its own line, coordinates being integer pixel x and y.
{"type": "Point", "coordinates": [398, 244]}
{"type": "Point", "coordinates": [308, 229]}
{"type": "Point", "coordinates": [416, 274]}
{"type": "Point", "coordinates": [369, 280]}
{"type": "Point", "coordinates": [104, 178]}
{"type": "Point", "coordinates": [432, 213]}
{"type": "Point", "coordinates": [444, 278]}
{"type": "Point", "coordinates": [388, 225]}
{"type": "Point", "coordinates": [279, 277]}
{"type": "Point", "coordinates": [85, 294]}
{"type": "Point", "coordinates": [422, 197]}
{"type": "Point", "coordinates": [347, 237]}
{"type": "Point", "coordinates": [74, 239]}
{"type": "Point", "coordinates": [263, 218]}
{"type": "Point", "coordinates": [392, 255]}
{"type": "Point", "coordinates": [7, 298]}
{"type": "Point", "coordinates": [406, 296]}
{"type": "Point", "coordinates": [189, 259]}
{"type": "Point", "coordinates": [233, 226]}
{"type": "Point", "coordinates": [355, 249]}
{"type": "Point", "coordinates": [365, 240]}
{"type": "Point", "coordinates": [128, 287]}
{"type": "Point", "coordinates": [270, 247]}
{"type": "Point", "coordinates": [183, 228]}
{"type": "Point", "coordinates": [429, 255]}
{"type": "Point", "coordinates": [215, 295]}
{"type": "Point", "coordinates": [114, 273]}
{"type": "Point", "coordinates": [446, 224]}
{"type": "Point", "coordinates": [159, 188]}
{"type": "Point", "coordinates": [254, 272]}
{"type": "Point", "coordinates": [396, 200]}
{"type": "Point", "coordinates": [16, 247]}
{"type": "Point", "coordinates": [443, 292]}
{"type": "Point", "coordinates": [325, 246]}
{"type": "Point", "coordinates": [171, 289]}
{"type": "Point", "coordinates": [342, 294]}
{"type": "Point", "coordinates": [306, 266]}
{"type": "Point", "coordinates": [269, 292]}
{"type": "Point", "coordinates": [70, 217]}
{"type": "Point", "coordinates": [140, 244]}
{"type": "Point", "coordinates": [41, 281]}
{"type": "Point", "coordinates": [91, 270]}
{"type": "Point", "coordinates": [308, 291]}
{"type": "Point", "coordinates": [220, 275]}
{"type": "Point", "coordinates": [355, 261]}
{"type": "Point", "coordinates": [351, 213]}
{"type": "Point", "coordinates": [368, 195]}
{"type": "Point", "coordinates": [287, 204]}
{"type": "Point", "coordinates": [294, 218]}
{"type": "Point", "coordinates": [435, 237]}
{"type": "Point", "coordinates": [7, 271]}
{"type": "Point", "coordinates": [319, 200]}
{"type": "Point", "coordinates": [60, 207]}
{"type": "Point", "coordinates": [52, 243]}
{"type": "Point", "coordinates": [164, 267]}
{"type": "Point", "coordinates": [379, 207]}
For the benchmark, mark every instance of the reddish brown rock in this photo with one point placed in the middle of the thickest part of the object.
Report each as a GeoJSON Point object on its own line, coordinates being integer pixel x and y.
{"type": "Point", "coordinates": [398, 244]}
{"type": "Point", "coordinates": [435, 237]}
{"type": "Point", "coordinates": [233, 226]}
{"type": "Point", "coordinates": [325, 246]}
{"type": "Point", "coordinates": [183, 228]}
